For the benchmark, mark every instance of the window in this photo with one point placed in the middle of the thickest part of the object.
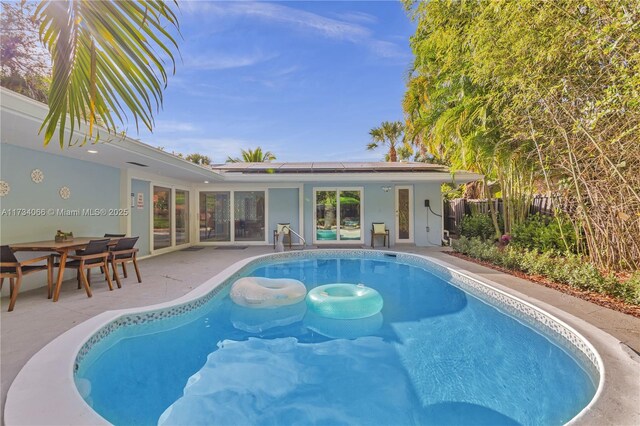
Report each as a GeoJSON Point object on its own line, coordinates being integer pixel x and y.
{"type": "Point", "coordinates": [182, 217]}
{"type": "Point", "coordinates": [161, 217]}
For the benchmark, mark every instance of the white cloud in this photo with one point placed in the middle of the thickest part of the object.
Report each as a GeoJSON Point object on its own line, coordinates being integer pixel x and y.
{"type": "Point", "coordinates": [360, 17]}
{"type": "Point", "coordinates": [218, 61]}
{"type": "Point", "coordinates": [280, 14]}
{"type": "Point", "coordinates": [387, 49]}
{"type": "Point", "coordinates": [171, 126]}
{"type": "Point", "coordinates": [336, 29]}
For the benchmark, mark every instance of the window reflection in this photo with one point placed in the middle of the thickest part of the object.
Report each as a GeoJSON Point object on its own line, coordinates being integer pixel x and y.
{"type": "Point", "coordinates": [182, 217]}
{"type": "Point", "coordinates": [350, 215]}
{"type": "Point", "coordinates": [215, 216]}
{"type": "Point", "coordinates": [249, 215]}
{"type": "Point", "coordinates": [161, 217]}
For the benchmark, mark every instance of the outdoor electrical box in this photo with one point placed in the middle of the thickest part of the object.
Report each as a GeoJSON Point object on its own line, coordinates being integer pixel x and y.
{"type": "Point", "coordinates": [426, 203]}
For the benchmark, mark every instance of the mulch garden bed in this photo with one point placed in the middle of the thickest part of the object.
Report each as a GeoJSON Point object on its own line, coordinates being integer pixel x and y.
{"type": "Point", "coordinates": [591, 296]}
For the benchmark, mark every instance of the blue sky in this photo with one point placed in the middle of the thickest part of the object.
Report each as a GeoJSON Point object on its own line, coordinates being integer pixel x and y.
{"type": "Point", "coordinates": [304, 80]}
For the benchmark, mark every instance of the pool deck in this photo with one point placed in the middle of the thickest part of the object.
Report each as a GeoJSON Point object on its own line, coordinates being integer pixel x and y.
{"type": "Point", "coordinates": [36, 321]}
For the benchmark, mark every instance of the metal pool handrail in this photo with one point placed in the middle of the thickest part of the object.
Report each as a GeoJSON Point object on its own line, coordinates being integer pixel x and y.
{"type": "Point", "coordinates": [304, 242]}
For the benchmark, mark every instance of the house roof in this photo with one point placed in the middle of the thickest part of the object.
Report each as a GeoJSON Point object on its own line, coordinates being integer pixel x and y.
{"type": "Point", "coordinates": [329, 167]}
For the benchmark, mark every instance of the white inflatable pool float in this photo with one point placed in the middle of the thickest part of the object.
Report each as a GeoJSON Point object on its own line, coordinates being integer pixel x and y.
{"type": "Point", "coordinates": [260, 292]}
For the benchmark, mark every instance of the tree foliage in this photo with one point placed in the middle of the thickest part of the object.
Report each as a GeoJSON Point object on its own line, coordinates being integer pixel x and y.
{"type": "Point", "coordinates": [24, 64]}
{"type": "Point", "coordinates": [198, 159]}
{"type": "Point", "coordinates": [108, 60]}
{"type": "Point", "coordinates": [537, 95]}
{"type": "Point", "coordinates": [252, 156]}
{"type": "Point", "coordinates": [391, 134]}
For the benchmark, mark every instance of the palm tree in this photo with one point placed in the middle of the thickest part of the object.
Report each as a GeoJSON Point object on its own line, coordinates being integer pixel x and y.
{"type": "Point", "coordinates": [389, 133]}
{"type": "Point", "coordinates": [253, 156]}
{"type": "Point", "coordinates": [203, 160]}
{"type": "Point", "coordinates": [107, 60]}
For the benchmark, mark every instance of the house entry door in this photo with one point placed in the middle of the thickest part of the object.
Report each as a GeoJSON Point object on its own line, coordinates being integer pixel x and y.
{"type": "Point", "coordinates": [404, 214]}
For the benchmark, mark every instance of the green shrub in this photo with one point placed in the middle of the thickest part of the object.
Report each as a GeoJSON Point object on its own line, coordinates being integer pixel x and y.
{"type": "Point", "coordinates": [477, 226]}
{"type": "Point", "coordinates": [477, 248]}
{"type": "Point", "coordinates": [543, 234]}
{"type": "Point", "coordinates": [511, 257]}
{"type": "Point", "coordinates": [628, 290]}
{"type": "Point", "coordinates": [570, 269]}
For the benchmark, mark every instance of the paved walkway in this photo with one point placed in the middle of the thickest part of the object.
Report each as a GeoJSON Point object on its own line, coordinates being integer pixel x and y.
{"type": "Point", "coordinates": [36, 321]}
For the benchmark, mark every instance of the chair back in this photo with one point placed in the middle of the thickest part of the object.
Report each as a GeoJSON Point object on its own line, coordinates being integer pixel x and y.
{"type": "Point", "coordinates": [96, 246]}
{"type": "Point", "coordinates": [6, 255]}
{"type": "Point", "coordinates": [125, 243]}
{"type": "Point", "coordinates": [283, 227]}
{"type": "Point", "coordinates": [378, 228]}
{"type": "Point", "coordinates": [115, 235]}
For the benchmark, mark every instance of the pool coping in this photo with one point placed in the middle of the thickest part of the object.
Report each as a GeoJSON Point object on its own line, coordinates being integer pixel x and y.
{"type": "Point", "coordinates": [59, 402]}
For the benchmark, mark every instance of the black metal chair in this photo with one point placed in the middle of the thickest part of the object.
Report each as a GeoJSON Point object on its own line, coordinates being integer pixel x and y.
{"type": "Point", "coordinates": [14, 270]}
{"type": "Point", "coordinates": [95, 254]}
{"type": "Point", "coordinates": [379, 229]}
{"type": "Point", "coordinates": [122, 253]}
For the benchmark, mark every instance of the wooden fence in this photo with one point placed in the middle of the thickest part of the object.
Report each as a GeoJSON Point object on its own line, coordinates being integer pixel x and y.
{"type": "Point", "coordinates": [456, 209]}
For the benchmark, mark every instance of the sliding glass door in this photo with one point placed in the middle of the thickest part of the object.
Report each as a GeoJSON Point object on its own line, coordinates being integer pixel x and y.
{"type": "Point", "coordinates": [161, 217]}
{"type": "Point", "coordinates": [182, 217]}
{"type": "Point", "coordinates": [249, 215]}
{"type": "Point", "coordinates": [215, 215]}
{"type": "Point", "coordinates": [246, 221]}
{"type": "Point", "coordinates": [338, 215]}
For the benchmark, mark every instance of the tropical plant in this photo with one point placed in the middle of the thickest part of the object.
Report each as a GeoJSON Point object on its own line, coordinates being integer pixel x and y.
{"type": "Point", "coordinates": [543, 234]}
{"type": "Point", "coordinates": [107, 59]}
{"type": "Point", "coordinates": [24, 63]}
{"type": "Point", "coordinates": [199, 159]}
{"type": "Point", "coordinates": [252, 156]}
{"type": "Point", "coordinates": [448, 115]}
{"type": "Point", "coordinates": [477, 226]}
{"type": "Point", "coordinates": [537, 95]}
{"type": "Point", "coordinates": [390, 133]}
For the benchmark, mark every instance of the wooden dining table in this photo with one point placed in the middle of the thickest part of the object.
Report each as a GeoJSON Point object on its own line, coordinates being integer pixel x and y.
{"type": "Point", "coordinates": [63, 248]}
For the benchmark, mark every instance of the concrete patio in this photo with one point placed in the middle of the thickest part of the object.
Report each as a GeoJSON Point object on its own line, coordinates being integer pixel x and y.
{"type": "Point", "coordinates": [36, 321]}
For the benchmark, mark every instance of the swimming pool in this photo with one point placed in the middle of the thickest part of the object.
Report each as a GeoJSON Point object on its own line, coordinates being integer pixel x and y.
{"type": "Point", "coordinates": [437, 353]}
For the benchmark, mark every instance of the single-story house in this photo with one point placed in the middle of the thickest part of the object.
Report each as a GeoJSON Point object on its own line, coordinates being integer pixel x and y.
{"type": "Point", "coordinates": [126, 186]}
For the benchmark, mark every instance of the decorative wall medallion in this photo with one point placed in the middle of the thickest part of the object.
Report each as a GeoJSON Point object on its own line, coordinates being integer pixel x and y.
{"type": "Point", "coordinates": [37, 176]}
{"type": "Point", "coordinates": [65, 192]}
{"type": "Point", "coordinates": [4, 188]}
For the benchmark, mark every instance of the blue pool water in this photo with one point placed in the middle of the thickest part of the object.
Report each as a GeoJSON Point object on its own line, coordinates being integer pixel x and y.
{"type": "Point", "coordinates": [434, 355]}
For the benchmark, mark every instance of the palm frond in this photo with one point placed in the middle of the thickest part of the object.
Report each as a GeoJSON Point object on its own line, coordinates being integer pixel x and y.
{"type": "Point", "coordinates": [108, 60]}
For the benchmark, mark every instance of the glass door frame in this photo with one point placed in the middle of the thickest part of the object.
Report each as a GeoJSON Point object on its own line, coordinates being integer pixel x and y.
{"type": "Point", "coordinates": [232, 226]}
{"type": "Point", "coordinates": [314, 229]}
{"type": "Point", "coordinates": [397, 214]}
{"type": "Point", "coordinates": [172, 209]}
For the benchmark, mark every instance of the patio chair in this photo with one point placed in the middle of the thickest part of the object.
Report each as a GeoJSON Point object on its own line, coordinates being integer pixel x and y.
{"type": "Point", "coordinates": [276, 233]}
{"type": "Point", "coordinates": [122, 253]}
{"type": "Point", "coordinates": [106, 236]}
{"type": "Point", "coordinates": [379, 229]}
{"type": "Point", "coordinates": [14, 270]}
{"type": "Point", "coordinates": [95, 255]}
